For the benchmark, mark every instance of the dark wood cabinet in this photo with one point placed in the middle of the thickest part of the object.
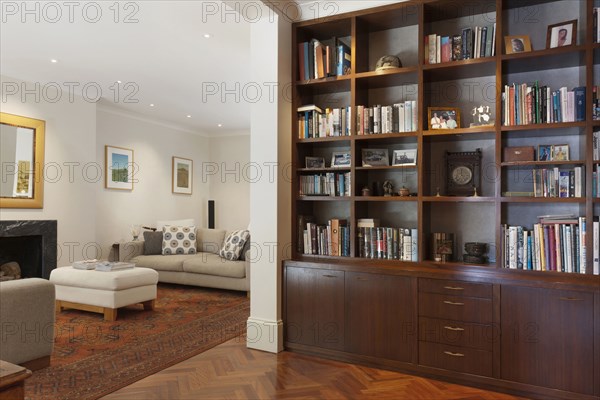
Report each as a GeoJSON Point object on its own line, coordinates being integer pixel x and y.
{"type": "Point", "coordinates": [547, 338]}
{"type": "Point", "coordinates": [315, 307]}
{"type": "Point", "coordinates": [381, 322]}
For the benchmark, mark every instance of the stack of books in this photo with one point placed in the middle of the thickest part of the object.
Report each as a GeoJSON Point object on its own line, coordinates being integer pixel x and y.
{"type": "Point", "coordinates": [596, 102]}
{"type": "Point", "coordinates": [596, 249]}
{"type": "Point", "coordinates": [314, 123]}
{"type": "Point", "coordinates": [476, 42]}
{"type": "Point", "coordinates": [329, 184]}
{"type": "Point", "coordinates": [524, 104]}
{"type": "Point", "coordinates": [553, 182]}
{"type": "Point", "coordinates": [332, 239]}
{"type": "Point", "coordinates": [596, 181]}
{"type": "Point", "coordinates": [384, 243]}
{"type": "Point", "coordinates": [397, 118]}
{"type": "Point", "coordinates": [596, 19]}
{"type": "Point", "coordinates": [86, 264]}
{"type": "Point", "coordinates": [322, 59]}
{"type": "Point", "coordinates": [556, 243]}
{"type": "Point", "coordinates": [107, 266]}
{"type": "Point", "coordinates": [596, 145]}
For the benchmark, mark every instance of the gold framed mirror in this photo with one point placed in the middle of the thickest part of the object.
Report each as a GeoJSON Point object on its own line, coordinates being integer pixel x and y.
{"type": "Point", "coordinates": [22, 143]}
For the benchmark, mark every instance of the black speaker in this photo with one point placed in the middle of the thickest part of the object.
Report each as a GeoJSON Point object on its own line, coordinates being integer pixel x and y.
{"type": "Point", "coordinates": [211, 214]}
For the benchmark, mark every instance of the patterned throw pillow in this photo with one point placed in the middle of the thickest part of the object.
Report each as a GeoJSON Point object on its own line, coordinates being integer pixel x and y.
{"type": "Point", "coordinates": [234, 243]}
{"type": "Point", "coordinates": [179, 240]}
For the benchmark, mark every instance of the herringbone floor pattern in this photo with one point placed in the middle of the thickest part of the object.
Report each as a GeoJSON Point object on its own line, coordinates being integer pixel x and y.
{"type": "Point", "coordinates": [231, 371]}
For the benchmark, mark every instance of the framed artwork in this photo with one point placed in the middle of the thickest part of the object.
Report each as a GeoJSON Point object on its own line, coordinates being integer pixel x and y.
{"type": "Point", "coordinates": [560, 152]}
{"type": "Point", "coordinates": [562, 34]}
{"type": "Point", "coordinates": [544, 153]}
{"type": "Point", "coordinates": [119, 167]}
{"type": "Point", "coordinates": [375, 158]}
{"type": "Point", "coordinates": [341, 159]}
{"type": "Point", "coordinates": [183, 175]}
{"type": "Point", "coordinates": [443, 118]}
{"type": "Point", "coordinates": [405, 157]}
{"type": "Point", "coordinates": [314, 162]}
{"type": "Point", "coordinates": [517, 44]}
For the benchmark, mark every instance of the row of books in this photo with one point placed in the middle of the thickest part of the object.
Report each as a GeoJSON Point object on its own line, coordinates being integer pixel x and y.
{"type": "Point", "coordinates": [596, 182]}
{"type": "Point", "coordinates": [321, 59]}
{"type": "Point", "coordinates": [596, 19]}
{"type": "Point", "coordinates": [476, 42]}
{"type": "Point", "coordinates": [596, 102]}
{"type": "Point", "coordinates": [552, 182]}
{"type": "Point", "coordinates": [104, 266]}
{"type": "Point", "coordinates": [524, 104]}
{"type": "Point", "coordinates": [400, 117]}
{"type": "Point", "coordinates": [384, 243]}
{"type": "Point", "coordinates": [328, 184]}
{"type": "Point", "coordinates": [556, 243]}
{"type": "Point", "coordinates": [314, 123]}
{"type": "Point", "coordinates": [332, 239]}
{"type": "Point", "coordinates": [596, 145]}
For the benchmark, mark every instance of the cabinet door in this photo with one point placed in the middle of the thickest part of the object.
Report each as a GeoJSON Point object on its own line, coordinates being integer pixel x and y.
{"type": "Point", "coordinates": [315, 307]}
{"type": "Point", "coordinates": [546, 338]}
{"type": "Point", "coordinates": [381, 320]}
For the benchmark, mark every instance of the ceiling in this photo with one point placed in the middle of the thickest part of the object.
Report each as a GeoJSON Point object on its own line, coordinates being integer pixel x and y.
{"type": "Point", "coordinates": [160, 56]}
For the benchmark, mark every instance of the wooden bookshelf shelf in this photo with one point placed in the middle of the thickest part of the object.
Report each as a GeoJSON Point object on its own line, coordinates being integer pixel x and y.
{"type": "Point", "coordinates": [460, 131]}
{"type": "Point", "coordinates": [458, 199]}
{"type": "Point", "coordinates": [386, 199]}
{"type": "Point", "coordinates": [536, 54]}
{"type": "Point", "coordinates": [541, 163]}
{"type": "Point", "coordinates": [454, 264]}
{"type": "Point", "coordinates": [387, 167]}
{"type": "Point", "coordinates": [326, 81]}
{"type": "Point", "coordinates": [391, 77]}
{"type": "Point", "coordinates": [530, 127]}
{"type": "Point", "coordinates": [321, 170]}
{"type": "Point", "coordinates": [325, 139]}
{"type": "Point", "coordinates": [556, 200]}
{"type": "Point", "coordinates": [324, 198]}
{"type": "Point", "coordinates": [383, 136]}
{"type": "Point", "coordinates": [596, 123]}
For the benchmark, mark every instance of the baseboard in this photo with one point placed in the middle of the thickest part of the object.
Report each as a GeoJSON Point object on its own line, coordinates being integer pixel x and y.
{"type": "Point", "coordinates": [265, 335]}
{"type": "Point", "coordinates": [37, 364]}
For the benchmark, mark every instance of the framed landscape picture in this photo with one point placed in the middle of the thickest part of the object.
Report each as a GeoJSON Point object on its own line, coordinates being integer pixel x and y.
{"type": "Point", "coordinates": [375, 158]}
{"type": "Point", "coordinates": [183, 174]}
{"type": "Point", "coordinates": [341, 159]}
{"type": "Point", "coordinates": [405, 157]}
{"type": "Point", "coordinates": [118, 164]}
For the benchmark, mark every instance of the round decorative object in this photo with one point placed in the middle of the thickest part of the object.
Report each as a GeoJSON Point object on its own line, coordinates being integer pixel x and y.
{"type": "Point", "coordinates": [462, 175]}
{"type": "Point", "coordinates": [388, 62]}
{"type": "Point", "coordinates": [403, 191]}
{"type": "Point", "coordinates": [366, 191]}
{"type": "Point", "coordinates": [475, 248]}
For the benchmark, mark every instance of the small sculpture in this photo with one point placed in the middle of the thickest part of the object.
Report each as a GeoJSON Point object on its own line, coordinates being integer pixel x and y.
{"type": "Point", "coordinates": [388, 62]}
{"type": "Point", "coordinates": [438, 192]}
{"type": "Point", "coordinates": [403, 192]}
{"type": "Point", "coordinates": [475, 191]}
{"type": "Point", "coordinates": [388, 188]}
{"type": "Point", "coordinates": [482, 116]}
{"type": "Point", "coordinates": [366, 191]}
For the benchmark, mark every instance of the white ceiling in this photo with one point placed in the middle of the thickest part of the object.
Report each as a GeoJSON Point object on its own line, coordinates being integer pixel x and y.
{"type": "Point", "coordinates": [164, 56]}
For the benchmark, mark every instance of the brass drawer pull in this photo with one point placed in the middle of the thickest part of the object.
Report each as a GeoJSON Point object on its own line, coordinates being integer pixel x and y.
{"type": "Point", "coordinates": [453, 303]}
{"type": "Point", "coordinates": [361, 279]}
{"type": "Point", "coordinates": [329, 276]}
{"type": "Point", "coordinates": [570, 298]}
{"type": "Point", "coordinates": [451, 328]}
{"type": "Point", "coordinates": [453, 288]}
{"type": "Point", "coordinates": [454, 354]}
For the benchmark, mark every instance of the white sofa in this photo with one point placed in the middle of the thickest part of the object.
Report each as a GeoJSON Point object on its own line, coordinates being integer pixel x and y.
{"type": "Point", "coordinates": [206, 268]}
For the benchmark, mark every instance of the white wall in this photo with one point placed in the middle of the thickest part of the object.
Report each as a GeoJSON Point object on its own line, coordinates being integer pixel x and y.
{"type": "Point", "coordinates": [227, 175]}
{"type": "Point", "coordinates": [70, 145]}
{"type": "Point", "coordinates": [154, 146]}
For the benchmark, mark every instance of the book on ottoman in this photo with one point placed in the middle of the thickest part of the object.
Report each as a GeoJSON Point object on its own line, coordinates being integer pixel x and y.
{"type": "Point", "coordinates": [107, 266]}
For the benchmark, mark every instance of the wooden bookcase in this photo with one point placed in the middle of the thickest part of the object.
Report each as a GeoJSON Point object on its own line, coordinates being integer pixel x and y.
{"type": "Point", "coordinates": [390, 313]}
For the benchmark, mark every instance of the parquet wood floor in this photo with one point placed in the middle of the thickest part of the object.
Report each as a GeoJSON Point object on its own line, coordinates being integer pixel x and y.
{"type": "Point", "coordinates": [232, 371]}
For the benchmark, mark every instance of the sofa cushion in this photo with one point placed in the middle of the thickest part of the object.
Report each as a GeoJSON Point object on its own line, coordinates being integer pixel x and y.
{"type": "Point", "coordinates": [153, 243]}
{"type": "Point", "coordinates": [163, 263]}
{"type": "Point", "coordinates": [179, 240]}
{"type": "Point", "coordinates": [234, 243]}
{"type": "Point", "coordinates": [212, 264]}
{"type": "Point", "coordinates": [210, 240]}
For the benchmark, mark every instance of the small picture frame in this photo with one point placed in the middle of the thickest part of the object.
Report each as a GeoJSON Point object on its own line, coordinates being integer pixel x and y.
{"type": "Point", "coordinates": [314, 162]}
{"type": "Point", "coordinates": [517, 44]}
{"type": "Point", "coordinates": [182, 175]}
{"type": "Point", "coordinates": [341, 159]}
{"type": "Point", "coordinates": [443, 118]}
{"type": "Point", "coordinates": [562, 34]}
{"type": "Point", "coordinates": [375, 158]}
{"type": "Point", "coordinates": [404, 157]}
{"type": "Point", "coordinates": [560, 152]}
{"type": "Point", "coordinates": [544, 153]}
{"type": "Point", "coordinates": [119, 167]}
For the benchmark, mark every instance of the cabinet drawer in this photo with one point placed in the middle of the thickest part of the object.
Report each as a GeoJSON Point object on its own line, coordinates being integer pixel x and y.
{"type": "Point", "coordinates": [457, 308]}
{"type": "Point", "coordinates": [456, 333]}
{"type": "Point", "coordinates": [456, 288]}
{"type": "Point", "coordinates": [456, 358]}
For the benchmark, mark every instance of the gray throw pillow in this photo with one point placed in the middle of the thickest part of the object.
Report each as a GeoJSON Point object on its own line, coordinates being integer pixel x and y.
{"type": "Point", "coordinates": [153, 243]}
{"type": "Point", "coordinates": [245, 249]}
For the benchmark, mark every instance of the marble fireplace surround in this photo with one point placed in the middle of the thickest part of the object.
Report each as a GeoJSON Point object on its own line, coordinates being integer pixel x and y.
{"type": "Point", "coordinates": [32, 244]}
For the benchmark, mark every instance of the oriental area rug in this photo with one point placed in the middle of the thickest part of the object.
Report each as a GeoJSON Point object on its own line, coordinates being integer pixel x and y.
{"type": "Point", "coordinates": [92, 357]}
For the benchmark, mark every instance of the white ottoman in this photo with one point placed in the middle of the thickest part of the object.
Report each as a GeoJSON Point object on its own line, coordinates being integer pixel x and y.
{"type": "Point", "coordinates": [104, 292]}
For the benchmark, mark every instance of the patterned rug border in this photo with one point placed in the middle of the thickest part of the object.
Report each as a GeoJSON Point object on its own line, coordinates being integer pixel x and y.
{"type": "Point", "coordinates": [175, 345]}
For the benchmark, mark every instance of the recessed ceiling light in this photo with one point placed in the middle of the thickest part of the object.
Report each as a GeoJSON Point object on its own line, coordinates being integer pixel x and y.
{"type": "Point", "coordinates": [220, 125]}
{"type": "Point", "coordinates": [207, 35]}
{"type": "Point", "coordinates": [152, 105]}
{"type": "Point", "coordinates": [119, 82]}
{"type": "Point", "coordinates": [53, 61]}
{"type": "Point", "coordinates": [189, 116]}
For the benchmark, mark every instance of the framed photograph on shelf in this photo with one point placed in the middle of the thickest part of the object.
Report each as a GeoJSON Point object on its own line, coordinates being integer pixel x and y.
{"type": "Point", "coordinates": [544, 153]}
{"type": "Point", "coordinates": [443, 118]}
{"type": "Point", "coordinates": [404, 157]}
{"type": "Point", "coordinates": [314, 162]}
{"type": "Point", "coordinates": [183, 175]}
{"type": "Point", "coordinates": [341, 159]}
{"type": "Point", "coordinates": [119, 167]}
{"type": "Point", "coordinates": [375, 158]}
{"type": "Point", "coordinates": [517, 44]}
{"type": "Point", "coordinates": [560, 152]}
{"type": "Point", "coordinates": [562, 34]}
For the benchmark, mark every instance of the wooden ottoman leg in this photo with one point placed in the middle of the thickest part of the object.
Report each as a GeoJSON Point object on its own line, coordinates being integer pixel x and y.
{"type": "Point", "coordinates": [110, 314]}
{"type": "Point", "coordinates": [149, 305]}
{"type": "Point", "coordinates": [58, 306]}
